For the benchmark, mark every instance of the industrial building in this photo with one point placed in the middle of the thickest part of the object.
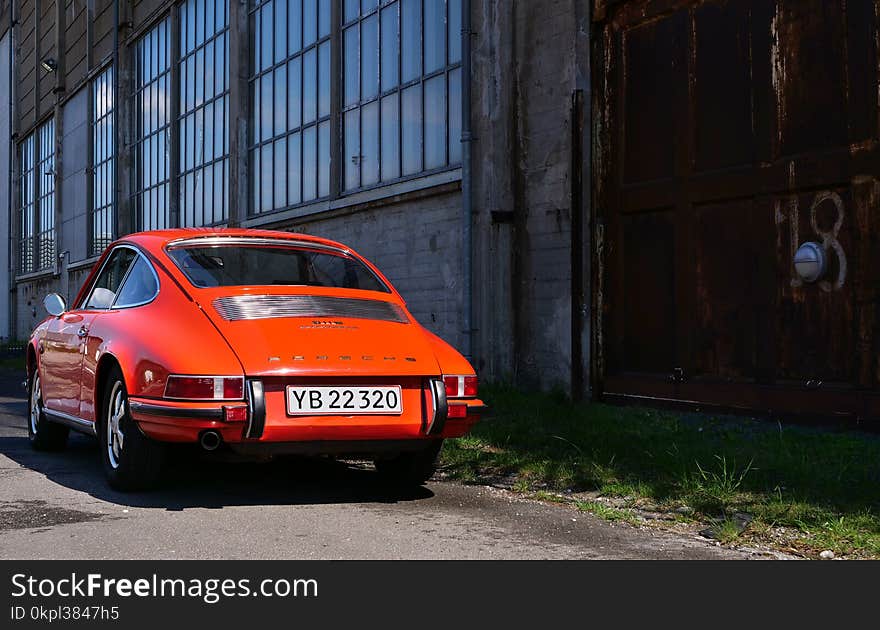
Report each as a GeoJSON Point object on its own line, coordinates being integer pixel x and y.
{"type": "Point", "coordinates": [600, 196]}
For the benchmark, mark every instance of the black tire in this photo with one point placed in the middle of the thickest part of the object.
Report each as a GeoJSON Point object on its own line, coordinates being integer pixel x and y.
{"type": "Point", "coordinates": [133, 462]}
{"type": "Point", "coordinates": [43, 434]}
{"type": "Point", "coordinates": [411, 468]}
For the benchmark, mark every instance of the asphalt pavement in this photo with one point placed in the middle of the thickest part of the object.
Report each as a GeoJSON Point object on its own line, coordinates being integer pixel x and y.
{"type": "Point", "coordinates": [58, 506]}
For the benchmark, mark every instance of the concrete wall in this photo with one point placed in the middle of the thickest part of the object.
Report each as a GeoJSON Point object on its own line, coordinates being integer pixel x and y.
{"type": "Point", "coordinates": [74, 161]}
{"type": "Point", "coordinates": [528, 59]}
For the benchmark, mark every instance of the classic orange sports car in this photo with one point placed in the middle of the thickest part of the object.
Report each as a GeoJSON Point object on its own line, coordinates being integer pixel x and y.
{"type": "Point", "coordinates": [256, 342]}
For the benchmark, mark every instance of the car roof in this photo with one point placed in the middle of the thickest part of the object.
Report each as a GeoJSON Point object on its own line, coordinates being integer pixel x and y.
{"type": "Point", "coordinates": [158, 239]}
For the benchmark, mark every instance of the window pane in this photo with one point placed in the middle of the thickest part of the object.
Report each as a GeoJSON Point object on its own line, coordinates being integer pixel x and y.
{"type": "Point", "coordinates": [435, 35]}
{"type": "Point", "coordinates": [352, 156]}
{"type": "Point", "coordinates": [220, 70]}
{"type": "Point", "coordinates": [323, 18]}
{"type": "Point", "coordinates": [350, 55]}
{"type": "Point", "coordinates": [455, 116]}
{"type": "Point", "coordinates": [280, 100]}
{"type": "Point", "coordinates": [351, 9]}
{"type": "Point", "coordinates": [324, 79]}
{"type": "Point", "coordinates": [410, 37]}
{"type": "Point", "coordinates": [208, 187]}
{"type": "Point", "coordinates": [324, 159]}
{"type": "Point", "coordinates": [258, 37]}
{"type": "Point", "coordinates": [370, 144]}
{"type": "Point", "coordinates": [454, 31]}
{"type": "Point", "coordinates": [411, 116]}
{"type": "Point", "coordinates": [265, 112]}
{"type": "Point", "coordinates": [198, 78]}
{"type": "Point", "coordinates": [310, 22]}
{"type": "Point", "coordinates": [369, 58]}
{"type": "Point", "coordinates": [390, 138]}
{"type": "Point", "coordinates": [266, 48]}
{"type": "Point", "coordinates": [280, 188]}
{"type": "Point", "coordinates": [294, 188]}
{"type": "Point", "coordinates": [210, 151]}
{"type": "Point", "coordinates": [266, 170]}
{"type": "Point", "coordinates": [255, 180]}
{"type": "Point", "coordinates": [368, 5]}
{"type": "Point", "coordinates": [390, 47]}
{"type": "Point", "coordinates": [210, 70]}
{"type": "Point", "coordinates": [294, 34]}
{"type": "Point", "coordinates": [309, 164]}
{"type": "Point", "coordinates": [435, 122]}
{"type": "Point", "coordinates": [140, 285]}
{"type": "Point", "coordinates": [310, 85]}
{"type": "Point", "coordinates": [280, 29]}
{"type": "Point", "coordinates": [294, 93]}
{"type": "Point", "coordinates": [197, 13]}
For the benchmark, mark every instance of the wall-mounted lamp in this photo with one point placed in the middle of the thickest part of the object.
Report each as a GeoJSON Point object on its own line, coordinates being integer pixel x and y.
{"type": "Point", "coordinates": [810, 262]}
{"type": "Point", "coordinates": [49, 64]}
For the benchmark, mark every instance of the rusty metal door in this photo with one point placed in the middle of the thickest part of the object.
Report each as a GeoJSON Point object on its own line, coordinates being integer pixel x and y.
{"type": "Point", "coordinates": [729, 132]}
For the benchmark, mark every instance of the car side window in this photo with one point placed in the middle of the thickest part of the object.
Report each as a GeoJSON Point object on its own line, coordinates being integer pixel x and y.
{"type": "Point", "coordinates": [139, 287]}
{"type": "Point", "coordinates": [107, 285]}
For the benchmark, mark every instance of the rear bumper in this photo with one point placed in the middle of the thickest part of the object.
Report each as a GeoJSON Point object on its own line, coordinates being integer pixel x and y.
{"type": "Point", "coordinates": [172, 421]}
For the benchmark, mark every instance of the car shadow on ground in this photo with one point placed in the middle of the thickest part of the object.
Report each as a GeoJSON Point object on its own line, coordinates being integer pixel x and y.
{"type": "Point", "coordinates": [196, 480]}
{"type": "Point", "coordinates": [193, 478]}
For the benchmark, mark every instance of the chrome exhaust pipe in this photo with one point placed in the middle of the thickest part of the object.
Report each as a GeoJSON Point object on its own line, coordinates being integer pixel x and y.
{"type": "Point", "coordinates": [210, 440]}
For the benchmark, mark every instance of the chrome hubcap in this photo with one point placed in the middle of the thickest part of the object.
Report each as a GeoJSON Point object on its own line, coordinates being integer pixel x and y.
{"type": "Point", "coordinates": [115, 413]}
{"type": "Point", "coordinates": [36, 404]}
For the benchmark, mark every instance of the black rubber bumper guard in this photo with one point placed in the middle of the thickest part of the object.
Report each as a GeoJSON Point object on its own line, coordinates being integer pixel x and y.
{"type": "Point", "coordinates": [256, 401]}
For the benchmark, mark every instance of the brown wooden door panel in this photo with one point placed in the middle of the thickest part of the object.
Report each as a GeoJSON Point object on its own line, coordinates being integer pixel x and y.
{"type": "Point", "coordinates": [729, 132]}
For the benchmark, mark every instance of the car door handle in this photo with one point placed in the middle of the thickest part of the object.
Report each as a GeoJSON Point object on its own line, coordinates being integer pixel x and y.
{"type": "Point", "coordinates": [82, 332]}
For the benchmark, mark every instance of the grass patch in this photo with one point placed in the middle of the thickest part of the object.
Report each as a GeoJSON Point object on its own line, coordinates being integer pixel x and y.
{"type": "Point", "coordinates": [12, 363]}
{"type": "Point", "coordinates": [12, 355]}
{"type": "Point", "coordinates": [819, 485]}
{"type": "Point", "coordinates": [607, 512]}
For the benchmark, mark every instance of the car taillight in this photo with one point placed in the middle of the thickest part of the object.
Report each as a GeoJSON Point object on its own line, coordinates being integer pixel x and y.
{"type": "Point", "coordinates": [470, 385]}
{"type": "Point", "coordinates": [235, 414]}
{"type": "Point", "coordinates": [457, 411]}
{"type": "Point", "coordinates": [205, 387]}
{"type": "Point", "coordinates": [460, 386]}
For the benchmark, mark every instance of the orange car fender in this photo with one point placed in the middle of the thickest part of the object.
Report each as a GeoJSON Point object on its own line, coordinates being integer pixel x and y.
{"type": "Point", "coordinates": [451, 360]}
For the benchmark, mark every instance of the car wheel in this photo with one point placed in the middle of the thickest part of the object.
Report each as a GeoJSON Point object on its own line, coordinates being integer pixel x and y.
{"type": "Point", "coordinates": [132, 461]}
{"type": "Point", "coordinates": [411, 468]}
{"type": "Point", "coordinates": [43, 434]}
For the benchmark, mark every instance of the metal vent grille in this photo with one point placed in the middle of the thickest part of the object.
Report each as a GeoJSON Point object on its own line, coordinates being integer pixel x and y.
{"type": "Point", "coordinates": [239, 307]}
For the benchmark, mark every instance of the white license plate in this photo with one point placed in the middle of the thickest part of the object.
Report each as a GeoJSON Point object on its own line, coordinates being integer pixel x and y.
{"type": "Point", "coordinates": [325, 400]}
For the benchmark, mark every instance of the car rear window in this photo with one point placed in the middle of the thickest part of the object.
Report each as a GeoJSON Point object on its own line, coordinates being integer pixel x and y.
{"type": "Point", "coordinates": [249, 265]}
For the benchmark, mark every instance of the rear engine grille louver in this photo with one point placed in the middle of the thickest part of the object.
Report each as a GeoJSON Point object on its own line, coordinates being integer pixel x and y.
{"type": "Point", "coordinates": [241, 307]}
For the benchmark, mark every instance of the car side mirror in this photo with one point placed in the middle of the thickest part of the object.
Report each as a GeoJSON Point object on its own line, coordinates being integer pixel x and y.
{"type": "Point", "coordinates": [55, 304]}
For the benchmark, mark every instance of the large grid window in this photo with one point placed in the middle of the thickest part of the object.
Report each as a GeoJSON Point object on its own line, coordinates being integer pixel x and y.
{"type": "Point", "coordinates": [46, 198]}
{"type": "Point", "coordinates": [152, 112]}
{"type": "Point", "coordinates": [290, 88]}
{"type": "Point", "coordinates": [101, 213]}
{"type": "Point", "coordinates": [36, 246]}
{"type": "Point", "coordinates": [204, 119]}
{"type": "Point", "coordinates": [27, 205]}
{"type": "Point", "coordinates": [397, 103]}
{"type": "Point", "coordinates": [401, 95]}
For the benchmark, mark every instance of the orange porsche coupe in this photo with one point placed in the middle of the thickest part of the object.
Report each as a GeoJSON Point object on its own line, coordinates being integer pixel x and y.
{"type": "Point", "coordinates": [255, 342]}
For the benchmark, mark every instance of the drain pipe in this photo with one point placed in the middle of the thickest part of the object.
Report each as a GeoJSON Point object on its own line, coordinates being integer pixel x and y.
{"type": "Point", "coordinates": [466, 177]}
